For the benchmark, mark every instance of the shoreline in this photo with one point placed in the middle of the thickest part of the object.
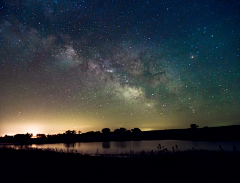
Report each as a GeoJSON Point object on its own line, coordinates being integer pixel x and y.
{"type": "Point", "coordinates": [225, 133]}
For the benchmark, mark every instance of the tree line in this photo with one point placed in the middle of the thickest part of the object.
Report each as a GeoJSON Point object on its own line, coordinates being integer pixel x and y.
{"type": "Point", "coordinates": [73, 133]}
{"type": "Point", "coordinates": [69, 135]}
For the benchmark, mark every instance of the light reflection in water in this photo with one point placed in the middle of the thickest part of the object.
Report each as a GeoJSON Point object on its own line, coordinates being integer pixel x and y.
{"type": "Point", "coordinates": [136, 146]}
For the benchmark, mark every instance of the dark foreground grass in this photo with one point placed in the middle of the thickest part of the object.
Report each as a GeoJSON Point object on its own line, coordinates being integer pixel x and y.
{"type": "Point", "coordinates": [38, 165]}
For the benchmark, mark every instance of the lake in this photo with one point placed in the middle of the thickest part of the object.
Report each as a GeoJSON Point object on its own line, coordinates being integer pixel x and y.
{"type": "Point", "coordinates": [117, 147]}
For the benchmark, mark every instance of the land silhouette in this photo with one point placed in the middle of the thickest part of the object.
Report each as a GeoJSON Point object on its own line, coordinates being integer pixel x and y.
{"type": "Point", "coordinates": [122, 134]}
{"type": "Point", "coordinates": [159, 166]}
{"type": "Point", "coordinates": [45, 165]}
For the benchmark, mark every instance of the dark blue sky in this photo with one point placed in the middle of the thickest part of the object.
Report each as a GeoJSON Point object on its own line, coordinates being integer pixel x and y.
{"type": "Point", "coordinates": [87, 65]}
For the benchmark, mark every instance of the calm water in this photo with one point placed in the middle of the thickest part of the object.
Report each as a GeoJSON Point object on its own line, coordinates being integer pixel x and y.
{"type": "Point", "coordinates": [127, 146]}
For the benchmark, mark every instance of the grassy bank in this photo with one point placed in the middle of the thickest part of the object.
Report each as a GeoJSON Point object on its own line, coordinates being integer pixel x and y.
{"type": "Point", "coordinates": [49, 166]}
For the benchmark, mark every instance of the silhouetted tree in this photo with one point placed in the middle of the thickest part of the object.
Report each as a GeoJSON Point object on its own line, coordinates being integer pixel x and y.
{"type": "Point", "coordinates": [41, 136]}
{"type": "Point", "coordinates": [116, 131]}
{"type": "Point", "coordinates": [29, 135]}
{"type": "Point", "coordinates": [70, 132]}
{"type": "Point", "coordinates": [52, 136]}
{"type": "Point", "coordinates": [120, 130]}
{"type": "Point", "coordinates": [105, 130]}
{"type": "Point", "coordinates": [23, 136]}
{"type": "Point", "coordinates": [194, 126]}
{"type": "Point", "coordinates": [8, 137]}
{"type": "Point", "coordinates": [136, 130]}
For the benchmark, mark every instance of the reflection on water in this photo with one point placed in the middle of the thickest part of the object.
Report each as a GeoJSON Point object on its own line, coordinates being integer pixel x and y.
{"type": "Point", "coordinates": [121, 144]}
{"type": "Point", "coordinates": [106, 145]}
{"type": "Point", "coordinates": [69, 145]}
{"type": "Point", "coordinates": [136, 146]}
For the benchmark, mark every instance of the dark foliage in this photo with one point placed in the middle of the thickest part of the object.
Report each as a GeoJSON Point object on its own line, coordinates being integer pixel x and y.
{"type": "Point", "coordinates": [187, 166]}
{"type": "Point", "coordinates": [106, 130]}
{"type": "Point", "coordinates": [194, 126]}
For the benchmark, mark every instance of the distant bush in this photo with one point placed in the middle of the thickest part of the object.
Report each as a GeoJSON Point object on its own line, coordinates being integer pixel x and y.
{"type": "Point", "coordinates": [194, 126]}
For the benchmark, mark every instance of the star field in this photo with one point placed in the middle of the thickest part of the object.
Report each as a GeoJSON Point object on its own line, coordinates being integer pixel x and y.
{"type": "Point", "coordinates": [87, 65]}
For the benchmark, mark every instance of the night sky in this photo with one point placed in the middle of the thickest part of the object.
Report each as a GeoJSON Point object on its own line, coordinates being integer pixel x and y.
{"type": "Point", "coordinates": [88, 65]}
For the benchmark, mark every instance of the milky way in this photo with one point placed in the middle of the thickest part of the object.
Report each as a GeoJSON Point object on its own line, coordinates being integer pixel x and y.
{"type": "Point", "coordinates": [90, 65]}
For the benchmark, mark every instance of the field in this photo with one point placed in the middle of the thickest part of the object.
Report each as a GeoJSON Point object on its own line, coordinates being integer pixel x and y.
{"type": "Point", "coordinates": [37, 165]}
